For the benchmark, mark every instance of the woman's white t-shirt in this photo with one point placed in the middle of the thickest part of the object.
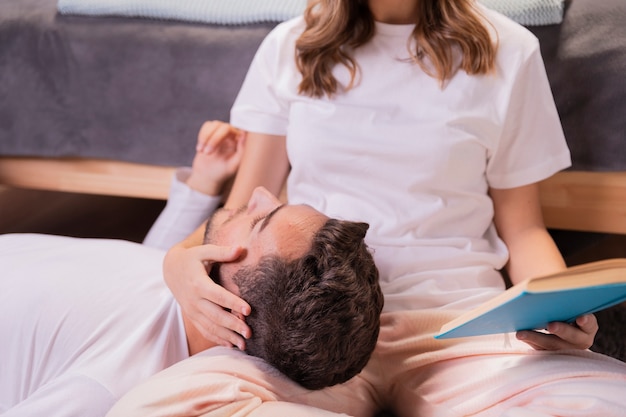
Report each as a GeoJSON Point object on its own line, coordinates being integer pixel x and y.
{"type": "Point", "coordinates": [410, 157]}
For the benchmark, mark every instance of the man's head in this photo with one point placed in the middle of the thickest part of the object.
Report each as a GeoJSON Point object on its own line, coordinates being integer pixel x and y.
{"type": "Point", "coordinates": [312, 285]}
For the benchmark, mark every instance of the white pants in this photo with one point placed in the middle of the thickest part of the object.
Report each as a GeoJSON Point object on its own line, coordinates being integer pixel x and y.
{"type": "Point", "coordinates": [410, 373]}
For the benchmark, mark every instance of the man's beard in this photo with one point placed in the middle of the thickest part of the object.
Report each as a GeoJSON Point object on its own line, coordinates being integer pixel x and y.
{"type": "Point", "coordinates": [212, 227]}
{"type": "Point", "coordinates": [208, 231]}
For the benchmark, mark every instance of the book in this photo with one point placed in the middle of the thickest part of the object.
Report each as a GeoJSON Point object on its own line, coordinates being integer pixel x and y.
{"type": "Point", "coordinates": [535, 302]}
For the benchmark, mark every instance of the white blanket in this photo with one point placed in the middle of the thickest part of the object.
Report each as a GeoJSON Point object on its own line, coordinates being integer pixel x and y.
{"type": "Point", "coordinates": [238, 12]}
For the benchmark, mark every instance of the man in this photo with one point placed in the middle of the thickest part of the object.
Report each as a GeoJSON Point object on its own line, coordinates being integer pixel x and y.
{"type": "Point", "coordinates": [84, 320]}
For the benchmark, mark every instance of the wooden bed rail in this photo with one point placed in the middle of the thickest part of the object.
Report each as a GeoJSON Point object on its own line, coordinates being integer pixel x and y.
{"type": "Point", "coordinates": [571, 200]}
{"type": "Point", "coordinates": [90, 176]}
{"type": "Point", "coordinates": [585, 201]}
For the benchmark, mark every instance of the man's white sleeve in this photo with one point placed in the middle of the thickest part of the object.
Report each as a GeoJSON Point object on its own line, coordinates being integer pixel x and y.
{"type": "Point", "coordinates": [66, 396]}
{"type": "Point", "coordinates": [185, 211]}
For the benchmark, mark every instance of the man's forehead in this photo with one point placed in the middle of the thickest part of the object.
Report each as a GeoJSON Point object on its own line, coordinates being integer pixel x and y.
{"type": "Point", "coordinates": [291, 230]}
{"type": "Point", "coordinates": [298, 213]}
{"type": "Point", "coordinates": [289, 233]}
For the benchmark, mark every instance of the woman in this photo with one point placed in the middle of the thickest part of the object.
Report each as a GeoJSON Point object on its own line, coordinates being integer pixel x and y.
{"type": "Point", "coordinates": [434, 122]}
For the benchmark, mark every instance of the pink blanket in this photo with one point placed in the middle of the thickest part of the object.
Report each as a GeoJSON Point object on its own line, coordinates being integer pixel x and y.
{"type": "Point", "coordinates": [410, 372]}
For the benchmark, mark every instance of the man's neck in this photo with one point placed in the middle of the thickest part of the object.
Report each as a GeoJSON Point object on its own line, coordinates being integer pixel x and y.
{"type": "Point", "coordinates": [195, 341]}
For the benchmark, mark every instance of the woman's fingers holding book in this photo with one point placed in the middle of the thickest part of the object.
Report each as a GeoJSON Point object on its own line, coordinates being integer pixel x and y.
{"type": "Point", "coordinates": [578, 335]}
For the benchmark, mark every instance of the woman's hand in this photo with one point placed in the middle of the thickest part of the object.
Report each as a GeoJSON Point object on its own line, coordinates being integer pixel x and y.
{"type": "Point", "coordinates": [215, 312]}
{"type": "Point", "coordinates": [519, 221]}
{"type": "Point", "coordinates": [578, 335]}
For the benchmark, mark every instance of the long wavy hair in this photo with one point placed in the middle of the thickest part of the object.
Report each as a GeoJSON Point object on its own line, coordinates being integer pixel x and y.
{"type": "Point", "coordinates": [336, 27]}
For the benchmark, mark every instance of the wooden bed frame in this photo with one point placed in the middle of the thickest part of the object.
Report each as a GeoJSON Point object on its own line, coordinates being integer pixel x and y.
{"type": "Point", "coordinates": [90, 176]}
{"type": "Point", "coordinates": [571, 200]}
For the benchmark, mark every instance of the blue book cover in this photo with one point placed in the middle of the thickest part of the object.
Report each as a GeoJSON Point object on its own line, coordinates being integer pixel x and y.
{"type": "Point", "coordinates": [534, 303]}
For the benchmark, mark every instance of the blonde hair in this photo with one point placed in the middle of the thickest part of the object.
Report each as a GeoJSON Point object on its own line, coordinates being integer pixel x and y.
{"type": "Point", "coordinates": [336, 27]}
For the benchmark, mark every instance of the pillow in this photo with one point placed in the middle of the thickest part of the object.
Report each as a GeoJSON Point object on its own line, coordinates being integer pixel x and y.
{"type": "Point", "coordinates": [529, 12]}
{"type": "Point", "coordinates": [237, 12]}
{"type": "Point", "coordinates": [218, 381]}
{"type": "Point", "coordinates": [225, 12]}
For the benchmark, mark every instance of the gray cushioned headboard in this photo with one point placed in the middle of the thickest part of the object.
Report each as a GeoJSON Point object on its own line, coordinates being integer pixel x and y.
{"type": "Point", "coordinates": [137, 90]}
{"type": "Point", "coordinates": [128, 89]}
{"type": "Point", "coordinates": [585, 58]}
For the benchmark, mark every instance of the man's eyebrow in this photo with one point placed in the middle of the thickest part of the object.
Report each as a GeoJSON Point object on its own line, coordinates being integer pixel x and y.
{"type": "Point", "coordinates": [267, 218]}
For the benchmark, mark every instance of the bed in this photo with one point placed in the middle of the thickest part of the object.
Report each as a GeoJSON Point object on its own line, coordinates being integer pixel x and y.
{"type": "Point", "coordinates": [110, 105]}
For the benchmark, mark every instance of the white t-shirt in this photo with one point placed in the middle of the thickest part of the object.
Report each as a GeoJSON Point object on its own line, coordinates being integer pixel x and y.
{"type": "Point", "coordinates": [410, 158]}
{"type": "Point", "coordinates": [82, 322]}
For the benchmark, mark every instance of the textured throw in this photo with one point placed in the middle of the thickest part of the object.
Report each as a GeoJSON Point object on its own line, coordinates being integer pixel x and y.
{"type": "Point", "coordinates": [529, 12]}
{"type": "Point", "coordinates": [239, 12]}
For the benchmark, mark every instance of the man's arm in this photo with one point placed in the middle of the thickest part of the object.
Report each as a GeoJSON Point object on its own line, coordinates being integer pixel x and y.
{"type": "Point", "coordinates": [195, 193]}
{"type": "Point", "coordinates": [185, 210]}
{"type": "Point", "coordinates": [68, 395]}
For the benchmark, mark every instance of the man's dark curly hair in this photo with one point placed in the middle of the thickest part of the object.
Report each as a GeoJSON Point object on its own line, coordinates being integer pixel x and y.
{"type": "Point", "coordinates": [316, 318]}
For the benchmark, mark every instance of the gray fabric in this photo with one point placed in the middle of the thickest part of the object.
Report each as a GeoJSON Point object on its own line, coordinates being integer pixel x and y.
{"type": "Point", "coordinates": [137, 90]}
{"type": "Point", "coordinates": [228, 12]}
{"type": "Point", "coordinates": [129, 89]}
{"type": "Point", "coordinates": [585, 59]}
{"type": "Point", "coordinates": [225, 12]}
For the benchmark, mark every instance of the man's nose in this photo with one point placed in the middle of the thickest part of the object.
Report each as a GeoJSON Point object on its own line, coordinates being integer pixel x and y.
{"type": "Point", "coordinates": [262, 200]}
